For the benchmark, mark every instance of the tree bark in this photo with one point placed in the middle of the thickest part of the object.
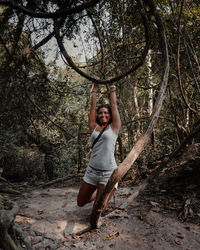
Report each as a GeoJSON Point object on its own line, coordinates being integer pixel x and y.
{"type": "Point", "coordinates": [56, 14]}
{"type": "Point", "coordinates": [150, 94]}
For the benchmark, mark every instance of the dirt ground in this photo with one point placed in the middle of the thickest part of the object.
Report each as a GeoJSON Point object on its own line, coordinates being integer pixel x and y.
{"type": "Point", "coordinates": [155, 219]}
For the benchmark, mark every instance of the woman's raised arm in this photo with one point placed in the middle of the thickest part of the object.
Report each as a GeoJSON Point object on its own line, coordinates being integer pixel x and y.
{"type": "Point", "coordinates": [116, 121]}
{"type": "Point", "coordinates": [92, 115]}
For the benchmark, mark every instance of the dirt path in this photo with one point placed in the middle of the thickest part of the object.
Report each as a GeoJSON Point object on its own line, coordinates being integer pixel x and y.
{"type": "Point", "coordinates": [51, 218]}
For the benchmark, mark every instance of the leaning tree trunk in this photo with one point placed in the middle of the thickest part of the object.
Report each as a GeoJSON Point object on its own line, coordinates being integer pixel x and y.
{"type": "Point", "coordinates": [144, 139]}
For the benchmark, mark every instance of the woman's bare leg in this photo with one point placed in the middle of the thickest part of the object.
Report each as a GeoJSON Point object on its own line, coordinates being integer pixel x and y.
{"type": "Point", "coordinates": [86, 194]}
{"type": "Point", "coordinates": [89, 193]}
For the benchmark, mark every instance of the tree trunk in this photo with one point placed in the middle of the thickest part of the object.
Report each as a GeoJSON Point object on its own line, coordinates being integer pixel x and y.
{"type": "Point", "coordinates": [137, 112]}
{"type": "Point", "coordinates": [79, 149]}
{"type": "Point", "coordinates": [150, 94]}
{"type": "Point", "coordinates": [121, 150]}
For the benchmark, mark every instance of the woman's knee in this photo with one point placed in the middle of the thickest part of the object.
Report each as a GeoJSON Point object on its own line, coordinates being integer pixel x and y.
{"type": "Point", "coordinates": [86, 194]}
{"type": "Point", "coordinates": [83, 201]}
{"type": "Point", "coordinates": [80, 203]}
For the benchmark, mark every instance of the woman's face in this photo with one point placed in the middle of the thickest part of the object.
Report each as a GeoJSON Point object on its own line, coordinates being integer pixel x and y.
{"type": "Point", "coordinates": [104, 116]}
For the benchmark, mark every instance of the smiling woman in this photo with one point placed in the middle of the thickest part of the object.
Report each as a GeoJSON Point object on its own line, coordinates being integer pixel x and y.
{"type": "Point", "coordinates": [104, 115]}
{"type": "Point", "coordinates": [104, 125]}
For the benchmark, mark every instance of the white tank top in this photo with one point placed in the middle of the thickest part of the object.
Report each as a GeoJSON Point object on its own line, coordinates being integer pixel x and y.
{"type": "Point", "coordinates": [102, 156]}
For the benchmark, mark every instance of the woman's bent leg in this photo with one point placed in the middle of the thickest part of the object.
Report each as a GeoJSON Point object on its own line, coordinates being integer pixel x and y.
{"type": "Point", "coordinates": [86, 194]}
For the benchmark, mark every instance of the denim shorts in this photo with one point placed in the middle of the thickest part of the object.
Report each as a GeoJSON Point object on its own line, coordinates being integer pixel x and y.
{"type": "Point", "coordinates": [95, 177]}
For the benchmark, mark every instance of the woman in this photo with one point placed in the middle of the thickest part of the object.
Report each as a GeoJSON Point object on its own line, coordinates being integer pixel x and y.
{"type": "Point", "coordinates": [102, 162]}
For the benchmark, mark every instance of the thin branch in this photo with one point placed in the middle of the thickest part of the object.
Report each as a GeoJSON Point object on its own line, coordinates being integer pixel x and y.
{"type": "Point", "coordinates": [44, 41]}
{"type": "Point", "coordinates": [178, 60]}
{"type": "Point", "coordinates": [100, 41]}
{"type": "Point", "coordinates": [187, 140]}
{"type": "Point", "coordinates": [61, 179]}
{"type": "Point", "coordinates": [192, 68]}
{"type": "Point", "coordinates": [17, 34]}
{"type": "Point", "coordinates": [56, 14]}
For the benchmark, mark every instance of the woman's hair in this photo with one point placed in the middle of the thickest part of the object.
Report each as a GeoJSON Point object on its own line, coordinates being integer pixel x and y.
{"type": "Point", "coordinates": [109, 110]}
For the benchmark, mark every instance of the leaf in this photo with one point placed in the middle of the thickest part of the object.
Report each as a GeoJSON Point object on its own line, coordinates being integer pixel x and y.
{"type": "Point", "coordinates": [179, 235]}
{"type": "Point", "coordinates": [178, 241]}
{"type": "Point", "coordinates": [108, 238]}
{"type": "Point", "coordinates": [114, 234]}
{"type": "Point", "coordinates": [154, 203]}
{"type": "Point", "coordinates": [132, 174]}
{"type": "Point", "coordinates": [142, 217]}
{"type": "Point", "coordinates": [81, 227]}
{"type": "Point", "coordinates": [40, 211]}
{"type": "Point", "coordinates": [111, 235]}
{"type": "Point", "coordinates": [156, 209]}
{"type": "Point", "coordinates": [64, 205]}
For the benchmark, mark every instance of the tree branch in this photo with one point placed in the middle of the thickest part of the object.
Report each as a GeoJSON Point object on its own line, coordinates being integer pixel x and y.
{"type": "Point", "coordinates": [178, 59]}
{"type": "Point", "coordinates": [100, 41]}
{"type": "Point", "coordinates": [56, 14]}
{"type": "Point", "coordinates": [44, 41]}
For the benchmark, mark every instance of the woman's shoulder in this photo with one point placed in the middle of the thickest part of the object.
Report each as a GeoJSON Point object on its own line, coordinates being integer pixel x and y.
{"type": "Point", "coordinates": [93, 128]}
{"type": "Point", "coordinates": [116, 132]}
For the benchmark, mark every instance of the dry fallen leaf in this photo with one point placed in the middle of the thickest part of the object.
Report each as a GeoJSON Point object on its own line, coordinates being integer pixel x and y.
{"type": "Point", "coordinates": [142, 217]}
{"type": "Point", "coordinates": [179, 235]}
{"type": "Point", "coordinates": [108, 238]}
{"type": "Point", "coordinates": [40, 211]}
{"type": "Point", "coordinates": [114, 233]}
{"type": "Point", "coordinates": [178, 241]}
{"type": "Point", "coordinates": [27, 219]}
{"type": "Point", "coordinates": [111, 235]}
{"type": "Point", "coordinates": [64, 205]}
{"type": "Point", "coordinates": [156, 209]}
{"type": "Point", "coordinates": [132, 174]}
{"type": "Point", "coordinates": [153, 203]}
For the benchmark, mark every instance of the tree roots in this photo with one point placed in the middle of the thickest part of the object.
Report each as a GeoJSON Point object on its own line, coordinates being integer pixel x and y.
{"type": "Point", "coordinates": [8, 231]}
